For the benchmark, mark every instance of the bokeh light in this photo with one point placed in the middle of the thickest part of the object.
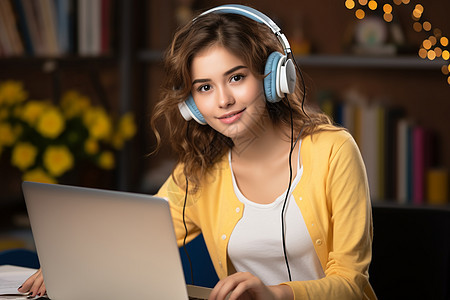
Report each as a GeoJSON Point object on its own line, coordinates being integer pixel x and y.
{"type": "Point", "coordinates": [431, 55]}
{"type": "Point", "coordinates": [423, 53]}
{"type": "Point", "coordinates": [427, 44]}
{"type": "Point", "coordinates": [419, 8]}
{"type": "Point", "coordinates": [387, 8]}
{"type": "Point", "coordinates": [445, 54]}
{"type": "Point", "coordinates": [427, 26]}
{"type": "Point", "coordinates": [388, 17]}
{"type": "Point", "coordinates": [417, 27]}
{"type": "Point", "coordinates": [360, 14]}
{"type": "Point", "coordinates": [373, 4]}
{"type": "Point", "coordinates": [350, 4]}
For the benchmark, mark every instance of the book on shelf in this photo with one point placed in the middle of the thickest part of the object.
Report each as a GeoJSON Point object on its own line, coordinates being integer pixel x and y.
{"type": "Point", "coordinates": [52, 28]}
{"type": "Point", "coordinates": [10, 40]}
{"type": "Point", "coordinates": [397, 151]}
{"type": "Point", "coordinates": [419, 164]}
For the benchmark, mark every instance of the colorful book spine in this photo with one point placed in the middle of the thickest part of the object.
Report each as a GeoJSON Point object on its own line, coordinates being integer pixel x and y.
{"type": "Point", "coordinates": [437, 186]}
{"type": "Point", "coordinates": [56, 27]}
{"type": "Point", "coordinates": [419, 171]}
{"type": "Point", "coordinates": [399, 154]}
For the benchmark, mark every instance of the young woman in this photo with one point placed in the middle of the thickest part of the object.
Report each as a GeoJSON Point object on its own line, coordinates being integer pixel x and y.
{"type": "Point", "coordinates": [279, 193]}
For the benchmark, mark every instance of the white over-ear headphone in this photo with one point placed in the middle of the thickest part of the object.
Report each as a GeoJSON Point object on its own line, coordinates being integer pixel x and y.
{"type": "Point", "coordinates": [279, 69]}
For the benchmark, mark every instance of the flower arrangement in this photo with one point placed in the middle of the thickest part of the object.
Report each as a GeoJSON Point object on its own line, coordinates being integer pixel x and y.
{"type": "Point", "coordinates": [45, 140]}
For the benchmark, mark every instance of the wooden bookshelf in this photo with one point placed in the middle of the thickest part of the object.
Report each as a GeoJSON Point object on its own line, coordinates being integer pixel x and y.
{"type": "Point", "coordinates": [105, 76]}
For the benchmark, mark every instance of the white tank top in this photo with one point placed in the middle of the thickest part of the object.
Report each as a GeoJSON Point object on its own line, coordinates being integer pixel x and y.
{"type": "Point", "coordinates": [255, 244]}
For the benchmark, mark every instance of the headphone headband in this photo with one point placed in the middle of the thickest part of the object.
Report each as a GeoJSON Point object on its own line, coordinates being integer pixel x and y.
{"type": "Point", "coordinates": [247, 12]}
{"type": "Point", "coordinates": [254, 15]}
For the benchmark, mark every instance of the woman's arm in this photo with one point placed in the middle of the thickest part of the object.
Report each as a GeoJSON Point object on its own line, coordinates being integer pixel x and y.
{"type": "Point", "coordinates": [339, 199]}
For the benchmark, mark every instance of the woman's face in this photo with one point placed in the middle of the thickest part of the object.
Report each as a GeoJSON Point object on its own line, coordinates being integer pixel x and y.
{"type": "Point", "coordinates": [228, 95]}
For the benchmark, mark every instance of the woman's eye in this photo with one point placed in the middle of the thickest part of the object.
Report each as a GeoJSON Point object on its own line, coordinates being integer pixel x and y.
{"type": "Point", "coordinates": [237, 78]}
{"type": "Point", "coordinates": [204, 88]}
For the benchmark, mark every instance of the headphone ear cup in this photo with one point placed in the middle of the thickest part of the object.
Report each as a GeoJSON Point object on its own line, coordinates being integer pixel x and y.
{"type": "Point", "coordinates": [271, 71]}
{"type": "Point", "coordinates": [189, 111]}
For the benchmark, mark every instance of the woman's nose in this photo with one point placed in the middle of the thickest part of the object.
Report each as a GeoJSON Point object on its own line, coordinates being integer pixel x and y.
{"type": "Point", "coordinates": [225, 98]}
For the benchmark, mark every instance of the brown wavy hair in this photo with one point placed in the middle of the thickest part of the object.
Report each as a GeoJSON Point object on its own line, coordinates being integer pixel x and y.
{"type": "Point", "coordinates": [199, 147]}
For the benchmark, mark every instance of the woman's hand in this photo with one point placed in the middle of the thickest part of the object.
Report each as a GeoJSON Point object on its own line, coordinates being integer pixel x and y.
{"type": "Point", "coordinates": [34, 285]}
{"type": "Point", "coordinates": [245, 286]}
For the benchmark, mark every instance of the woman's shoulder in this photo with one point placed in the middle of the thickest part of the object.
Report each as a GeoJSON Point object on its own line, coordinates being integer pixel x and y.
{"type": "Point", "coordinates": [219, 166]}
{"type": "Point", "coordinates": [330, 135]}
{"type": "Point", "coordinates": [329, 142]}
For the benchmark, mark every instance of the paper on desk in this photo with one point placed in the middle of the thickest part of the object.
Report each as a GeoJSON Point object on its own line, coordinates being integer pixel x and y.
{"type": "Point", "coordinates": [11, 277]}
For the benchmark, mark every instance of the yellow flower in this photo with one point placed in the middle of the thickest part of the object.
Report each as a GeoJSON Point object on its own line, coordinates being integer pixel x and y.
{"type": "Point", "coordinates": [38, 175]}
{"type": "Point", "coordinates": [98, 123]}
{"type": "Point", "coordinates": [74, 104]}
{"type": "Point", "coordinates": [3, 114]}
{"type": "Point", "coordinates": [127, 126]}
{"type": "Point", "coordinates": [106, 160]}
{"type": "Point", "coordinates": [91, 146]}
{"type": "Point", "coordinates": [7, 136]}
{"type": "Point", "coordinates": [51, 123]}
{"type": "Point", "coordinates": [12, 92]}
{"type": "Point", "coordinates": [58, 160]}
{"type": "Point", "coordinates": [117, 141]}
{"type": "Point", "coordinates": [23, 155]}
{"type": "Point", "coordinates": [32, 110]}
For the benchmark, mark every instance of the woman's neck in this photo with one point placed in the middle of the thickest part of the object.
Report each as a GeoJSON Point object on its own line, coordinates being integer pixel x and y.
{"type": "Point", "coordinates": [270, 141]}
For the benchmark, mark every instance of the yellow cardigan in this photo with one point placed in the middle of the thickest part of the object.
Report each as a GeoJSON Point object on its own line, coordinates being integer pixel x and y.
{"type": "Point", "coordinates": [333, 196]}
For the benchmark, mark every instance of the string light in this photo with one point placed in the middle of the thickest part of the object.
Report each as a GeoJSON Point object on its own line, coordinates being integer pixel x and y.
{"type": "Point", "coordinates": [431, 55]}
{"type": "Point", "coordinates": [388, 17]}
{"type": "Point", "coordinates": [363, 2]}
{"type": "Point", "coordinates": [423, 53]}
{"type": "Point", "coordinates": [417, 27]}
{"type": "Point", "coordinates": [426, 26]}
{"type": "Point", "coordinates": [427, 44]}
{"type": "Point", "coordinates": [437, 32]}
{"type": "Point", "coordinates": [360, 14]}
{"type": "Point", "coordinates": [373, 4]}
{"type": "Point", "coordinates": [417, 14]}
{"type": "Point", "coordinates": [435, 46]}
{"type": "Point", "coordinates": [387, 8]}
{"type": "Point", "coordinates": [350, 4]}
{"type": "Point", "coordinates": [433, 40]}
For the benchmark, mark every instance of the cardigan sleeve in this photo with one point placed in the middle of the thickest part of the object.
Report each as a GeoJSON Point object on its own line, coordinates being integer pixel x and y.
{"type": "Point", "coordinates": [346, 217]}
{"type": "Point", "coordinates": [174, 192]}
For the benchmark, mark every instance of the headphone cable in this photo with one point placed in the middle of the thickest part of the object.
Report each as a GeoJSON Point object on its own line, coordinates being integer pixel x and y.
{"type": "Point", "coordinates": [184, 222]}
{"type": "Point", "coordinates": [283, 235]}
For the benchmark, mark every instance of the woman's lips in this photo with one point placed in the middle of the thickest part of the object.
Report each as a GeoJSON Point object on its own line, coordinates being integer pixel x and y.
{"type": "Point", "coordinates": [231, 117]}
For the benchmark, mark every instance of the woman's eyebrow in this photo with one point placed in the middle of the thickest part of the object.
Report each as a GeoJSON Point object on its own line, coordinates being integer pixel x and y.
{"type": "Point", "coordinates": [234, 70]}
{"type": "Point", "coordinates": [230, 71]}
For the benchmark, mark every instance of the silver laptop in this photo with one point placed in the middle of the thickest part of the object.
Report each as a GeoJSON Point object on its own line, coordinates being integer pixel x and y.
{"type": "Point", "coordinates": [99, 244]}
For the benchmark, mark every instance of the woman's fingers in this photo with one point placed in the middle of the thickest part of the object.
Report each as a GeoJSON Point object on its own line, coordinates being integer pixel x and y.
{"type": "Point", "coordinates": [242, 285]}
{"type": "Point", "coordinates": [34, 285]}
